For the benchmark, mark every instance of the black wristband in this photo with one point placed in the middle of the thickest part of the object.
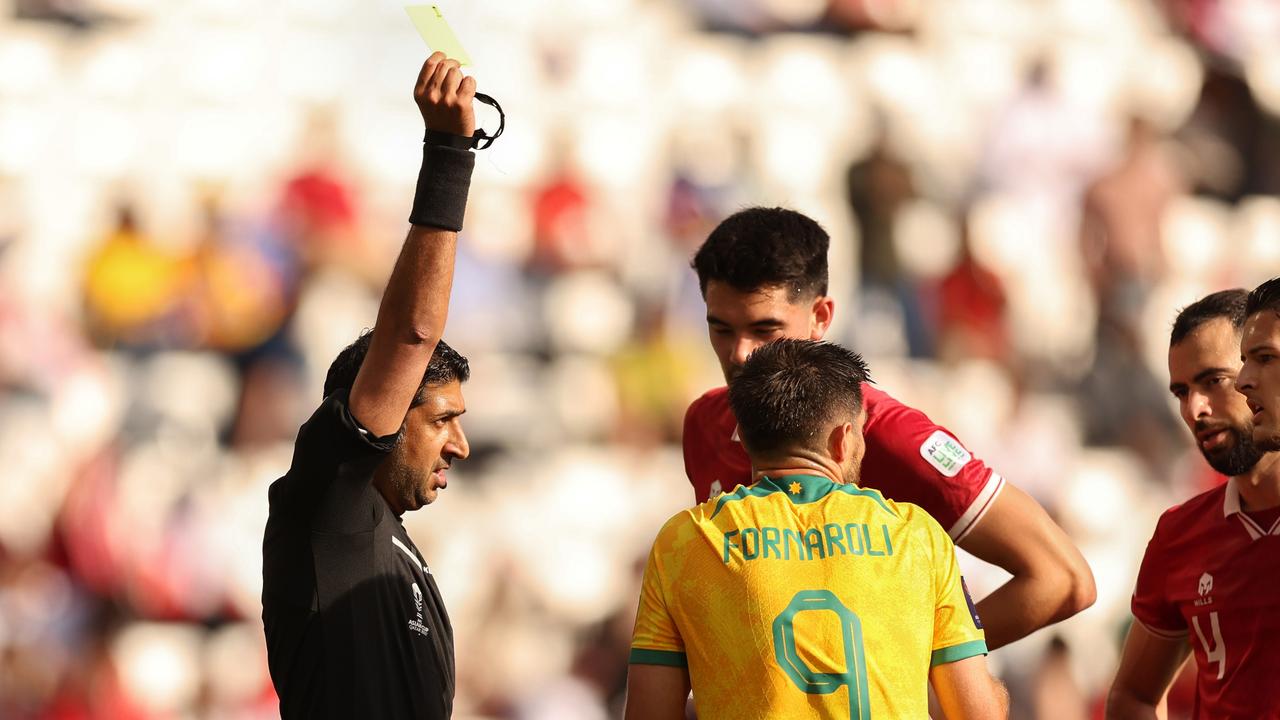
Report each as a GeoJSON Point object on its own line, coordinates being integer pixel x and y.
{"type": "Point", "coordinates": [439, 137]}
{"type": "Point", "coordinates": [443, 182]}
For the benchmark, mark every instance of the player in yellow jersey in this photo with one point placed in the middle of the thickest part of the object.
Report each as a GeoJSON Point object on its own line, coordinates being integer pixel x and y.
{"type": "Point", "coordinates": [804, 596]}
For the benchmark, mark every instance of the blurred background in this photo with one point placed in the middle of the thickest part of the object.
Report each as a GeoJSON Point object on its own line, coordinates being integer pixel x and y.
{"type": "Point", "coordinates": [200, 201]}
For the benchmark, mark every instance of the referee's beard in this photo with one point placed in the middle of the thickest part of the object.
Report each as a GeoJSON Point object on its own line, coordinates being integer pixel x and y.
{"type": "Point", "coordinates": [413, 473]}
{"type": "Point", "coordinates": [404, 484]}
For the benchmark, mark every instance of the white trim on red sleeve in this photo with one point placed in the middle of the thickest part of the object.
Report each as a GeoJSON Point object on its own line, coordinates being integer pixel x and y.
{"type": "Point", "coordinates": [977, 508]}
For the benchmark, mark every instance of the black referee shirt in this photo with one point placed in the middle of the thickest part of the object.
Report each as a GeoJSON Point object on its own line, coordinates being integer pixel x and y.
{"type": "Point", "coordinates": [354, 621]}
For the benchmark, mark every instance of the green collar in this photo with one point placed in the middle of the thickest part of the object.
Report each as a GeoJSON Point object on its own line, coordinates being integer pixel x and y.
{"type": "Point", "coordinates": [800, 489]}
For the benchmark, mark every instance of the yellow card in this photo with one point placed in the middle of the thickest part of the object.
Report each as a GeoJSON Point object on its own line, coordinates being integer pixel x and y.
{"type": "Point", "coordinates": [439, 36]}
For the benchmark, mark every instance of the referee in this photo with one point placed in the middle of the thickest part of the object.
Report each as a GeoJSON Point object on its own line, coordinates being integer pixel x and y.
{"type": "Point", "coordinates": [355, 624]}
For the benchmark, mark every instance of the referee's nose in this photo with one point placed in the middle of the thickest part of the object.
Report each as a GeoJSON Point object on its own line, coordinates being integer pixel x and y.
{"type": "Point", "coordinates": [456, 446]}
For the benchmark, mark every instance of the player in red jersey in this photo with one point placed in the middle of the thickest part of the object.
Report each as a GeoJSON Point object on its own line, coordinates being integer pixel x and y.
{"type": "Point", "coordinates": [1209, 580]}
{"type": "Point", "coordinates": [1260, 374]}
{"type": "Point", "coordinates": [763, 275]}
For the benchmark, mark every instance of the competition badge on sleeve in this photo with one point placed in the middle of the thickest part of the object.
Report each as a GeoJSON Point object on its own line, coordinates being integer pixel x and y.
{"type": "Point", "coordinates": [945, 453]}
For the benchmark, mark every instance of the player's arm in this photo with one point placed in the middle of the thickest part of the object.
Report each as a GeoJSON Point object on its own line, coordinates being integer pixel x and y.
{"type": "Point", "coordinates": [989, 518]}
{"type": "Point", "coordinates": [656, 692]}
{"type": "Point", "coordinates": [658, 676]}
{"type": "Point", "coordinates": [1051, 580]}
{"type": "Point", "coordinates": [965, 689]}
{"type": "Point", "coordinates": [957, 666]}
{"type": "Point", "coordinates": [415, 303]}
{"type": "Point", "coordinates": [1148, 666]}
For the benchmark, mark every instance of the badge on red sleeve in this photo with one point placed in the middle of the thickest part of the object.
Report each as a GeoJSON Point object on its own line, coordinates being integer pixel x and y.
{"type": "Point", "coordinates": [945, 453]}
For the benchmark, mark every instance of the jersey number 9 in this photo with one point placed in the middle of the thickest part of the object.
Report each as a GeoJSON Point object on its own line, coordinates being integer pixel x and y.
{"type": "Point", "coordinates": [854, 676]}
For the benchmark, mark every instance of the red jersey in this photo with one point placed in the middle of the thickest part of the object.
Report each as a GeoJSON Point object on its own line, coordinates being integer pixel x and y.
{"type": "Point", "coordinates": [1211, 575]}
{"type": "Point", "coordinates": [908, 459]}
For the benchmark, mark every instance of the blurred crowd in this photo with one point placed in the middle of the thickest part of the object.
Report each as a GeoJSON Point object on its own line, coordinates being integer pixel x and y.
{"type": "Point", "coordinates": [200, 201]}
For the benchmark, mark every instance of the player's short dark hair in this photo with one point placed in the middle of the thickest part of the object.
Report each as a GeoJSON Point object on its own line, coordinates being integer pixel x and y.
{"type": "Point", "coordinates": [789, 391]}
{"type": "Point", "coordinates": [1229, 304]}
{"type": "Point", "coordinates": [762, 247]}
{"type": "Point", "coordinates": [1264, 297]}
{"type": "Point", "coordinates": [446, 365]}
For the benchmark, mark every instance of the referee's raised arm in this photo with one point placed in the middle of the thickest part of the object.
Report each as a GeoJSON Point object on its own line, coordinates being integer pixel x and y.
{"type": "Point", "coordinates": [415, 303]}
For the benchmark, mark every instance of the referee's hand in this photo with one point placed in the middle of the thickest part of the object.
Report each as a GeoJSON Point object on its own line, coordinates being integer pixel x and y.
{"type": "Point", "coordinates": [444, 96]}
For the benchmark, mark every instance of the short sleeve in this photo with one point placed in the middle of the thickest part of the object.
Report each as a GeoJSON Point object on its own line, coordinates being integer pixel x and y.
{"type": "Point", "coordinates": [957, 629]}
{"type": "Point", "coordinates": [1150, 603]}
{"type": "Point", "coordinates": [656, 640]}
{"type": "Point", "coordinates": [912, 459]}
{"type": "Point", "coordinates": [333, 459]}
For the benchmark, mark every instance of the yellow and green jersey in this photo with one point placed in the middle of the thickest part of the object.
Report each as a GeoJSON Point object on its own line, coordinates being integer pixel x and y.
{"type": "Point", "coordinates": [802, 597]}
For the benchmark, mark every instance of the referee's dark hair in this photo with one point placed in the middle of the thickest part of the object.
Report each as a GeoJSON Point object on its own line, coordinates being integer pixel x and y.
{"type": "Point", "coordinates": [762, 247]}
{"type": "Point", "coordinates": [1229, 304]}
{"type": "Point", "coordinates": [790, 391]}
{"type": "Point", "coordinates": [446, 366]}
{"type": "Point", "coordinates": [1264, 297]}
